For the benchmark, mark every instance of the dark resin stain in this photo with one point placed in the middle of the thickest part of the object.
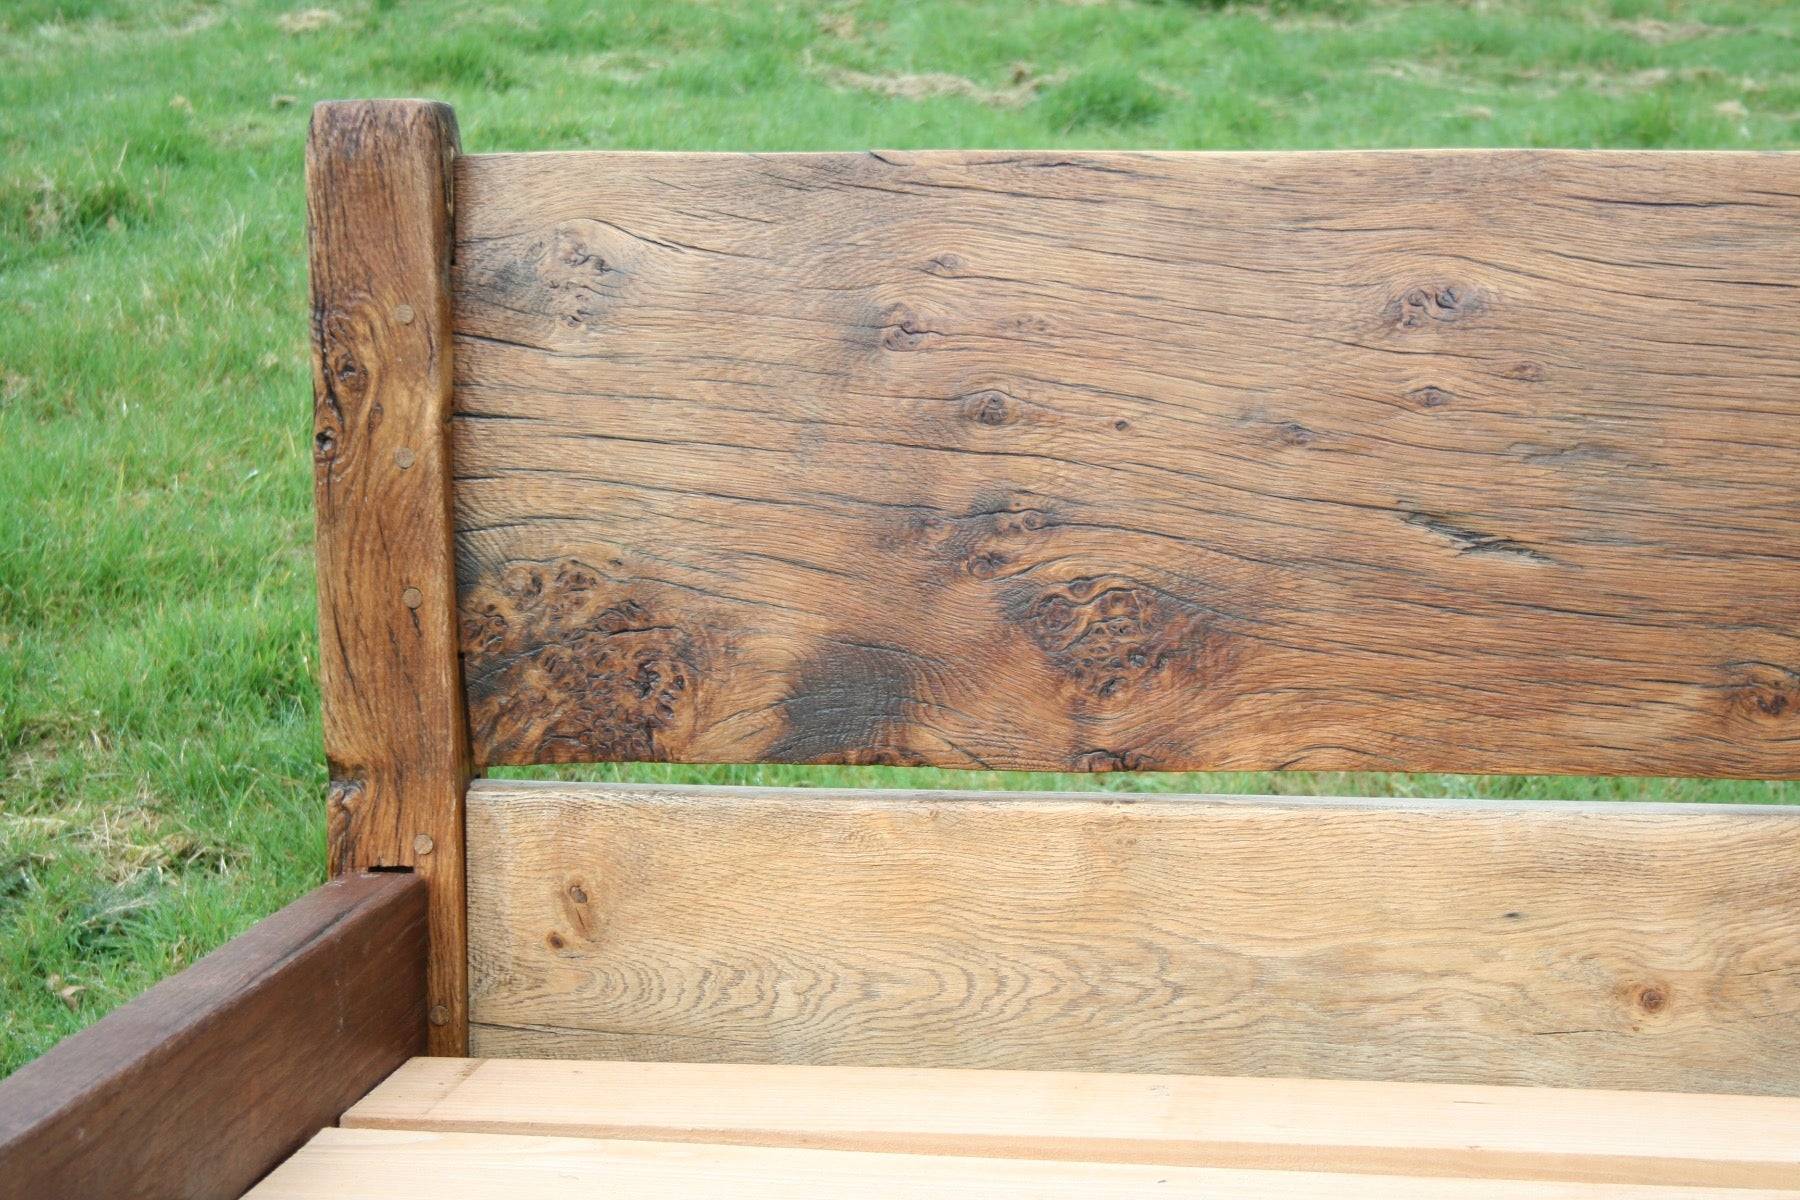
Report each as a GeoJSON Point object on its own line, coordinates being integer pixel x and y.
{"type": "Point", "coordinates": [853, 704]}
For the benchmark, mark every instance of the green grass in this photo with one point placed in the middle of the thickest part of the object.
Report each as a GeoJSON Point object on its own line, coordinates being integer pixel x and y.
{"type": "Point", "coordinates": [160, 776]}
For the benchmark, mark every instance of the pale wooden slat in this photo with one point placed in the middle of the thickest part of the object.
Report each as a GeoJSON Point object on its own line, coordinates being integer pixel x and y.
{"type": "Point", "coordinates": [381, 1164]}
{"type": "Point", "coordinates": [1322, 1125]}
{"type": "Point", "coordinates": [1467, 461]}
{"type": "Point", "coordinates": [1609, 946]}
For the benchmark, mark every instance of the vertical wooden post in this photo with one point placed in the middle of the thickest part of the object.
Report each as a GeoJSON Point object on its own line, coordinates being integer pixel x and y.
{"type": "Point", "coordinates": [378, 201]}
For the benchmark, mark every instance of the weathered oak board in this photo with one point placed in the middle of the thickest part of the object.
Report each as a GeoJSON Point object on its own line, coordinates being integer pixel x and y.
{"type": "Point", "coordinates": [1609, 946]}
{"type": "Point", "coordinates": [378, 206]}
{"type": "Point", "coordinates": [1441, 1130]}
{"type": "Point", "coordinates": [384, 1164]}
{"type": "Point", "coordinates": [1470, 461]}
{"type": "Point", "coordinates": [198, 1087]}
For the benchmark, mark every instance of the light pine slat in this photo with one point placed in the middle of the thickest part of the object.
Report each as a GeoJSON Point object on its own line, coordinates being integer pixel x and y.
{"type": "Point", "coordinates": [1320, 1125]}
{"type": "Point", "coordinates": [350, 1164]}
{"type": "Point", "coordinates": [1606, 946]}
{"type": "Point", "coordinates": [1465, 461]}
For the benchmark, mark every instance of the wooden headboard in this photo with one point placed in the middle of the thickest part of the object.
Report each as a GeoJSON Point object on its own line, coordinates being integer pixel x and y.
{"type": "Point", "coordinates": [1448, 461]}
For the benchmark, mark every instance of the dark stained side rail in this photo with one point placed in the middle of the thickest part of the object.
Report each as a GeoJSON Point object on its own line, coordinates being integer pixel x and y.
{"type": "Point", "coordinates": [204, 1083]}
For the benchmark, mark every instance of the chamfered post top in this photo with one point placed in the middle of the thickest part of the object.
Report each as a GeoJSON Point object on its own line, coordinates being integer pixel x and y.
{"type": "Point", "coordinates": [347, 127]}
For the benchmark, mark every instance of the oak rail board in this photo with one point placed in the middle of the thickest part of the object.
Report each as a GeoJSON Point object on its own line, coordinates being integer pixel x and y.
{"type": "Point", "coordinates": [1474, 461]}
{"type": "Point", "coordinates": [1439, 1130]}
{"type": "Point", "coordinates": [1612, 946]}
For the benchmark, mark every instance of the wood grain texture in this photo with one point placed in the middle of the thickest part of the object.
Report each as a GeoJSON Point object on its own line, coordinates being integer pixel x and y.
{"type": "Point", "coordinates": [1439, 1130]}
{"type": "Point", "coordinates": [380, 1164]}
{"type": "Point", "coordinates": [1602, 946]}
{"type": "Point", "coordinates": [378, 227]}
{"type": "Point", "coordinates": [1464, 461]}
{"type": "Point", "coordinates": [199, 1086]}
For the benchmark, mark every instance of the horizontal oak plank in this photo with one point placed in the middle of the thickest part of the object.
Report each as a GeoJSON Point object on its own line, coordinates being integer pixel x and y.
{"type": "Point", "coordinates": [1439, 1130]}
{"type": "Point", "coordinates": [204, 1082]}
{"type": "Point", "coordinates": [381, 1164]}
{"type": "Point", "coordinates": [1606, 946]}
{"type": "Point", "coordinates": [1462, 461]}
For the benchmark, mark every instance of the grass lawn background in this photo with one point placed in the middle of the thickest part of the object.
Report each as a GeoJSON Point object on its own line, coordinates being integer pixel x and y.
{"type": "Point", "coordinates": [161, 778]}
